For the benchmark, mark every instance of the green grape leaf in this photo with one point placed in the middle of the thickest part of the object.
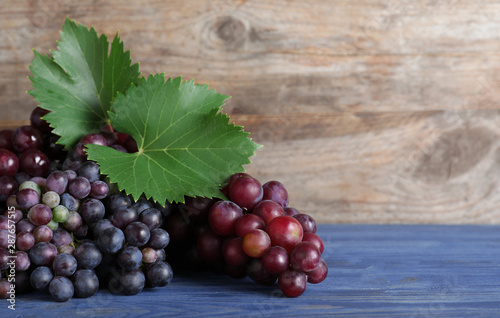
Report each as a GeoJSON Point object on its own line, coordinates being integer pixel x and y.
{"type": "Point", "coordinates": [186, 144]}
{"type": "Point", "coordinates": [79, 81]}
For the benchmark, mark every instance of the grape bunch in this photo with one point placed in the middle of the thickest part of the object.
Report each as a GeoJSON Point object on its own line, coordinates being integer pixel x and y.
{"type": "Point", "coordinates": [72, 232]}
{"type": "Point", "coordinates": [255, 234]}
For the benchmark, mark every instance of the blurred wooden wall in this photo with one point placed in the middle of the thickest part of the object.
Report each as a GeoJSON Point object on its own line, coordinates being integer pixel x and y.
{"type": "Point", "coordinates": [369, 111]}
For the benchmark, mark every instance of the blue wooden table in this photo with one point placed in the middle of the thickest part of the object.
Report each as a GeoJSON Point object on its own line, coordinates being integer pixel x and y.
{"type": "Point", "coordinates": [374, 271]}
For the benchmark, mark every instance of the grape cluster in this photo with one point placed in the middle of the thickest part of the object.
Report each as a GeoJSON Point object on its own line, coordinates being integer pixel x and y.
{"type": "Point", "coordinates": [72, 232]}
{"type": "Point", "coordinates": [255, 234]}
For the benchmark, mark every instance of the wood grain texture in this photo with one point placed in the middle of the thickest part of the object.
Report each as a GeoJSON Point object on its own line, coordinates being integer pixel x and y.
{"type": "Point", "coordinates": [369, 111]}
{"type": "Point", "coordinates": [374, 271]}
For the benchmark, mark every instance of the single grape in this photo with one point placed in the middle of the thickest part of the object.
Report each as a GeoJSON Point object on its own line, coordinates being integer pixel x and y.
{"type": "Point", "coordinates": [36, 120]}
{"type": "Point", "coordinates": [73, 222]}
{"type": "Point", "coordinates": [256, 271]}
{"type": "Point", "coordinates": [79, 187]}
{"type": "Point", "coordinates": [92, 210]}
{"type": "Point", "coordinates": [40, 214]}
{"type": "Point", "coordinates": [99, 189]}
{"type": "Point", "coordinates": [225, 188]}
{"type": "Point", "coordinates": [159, 274]}
{"type": "Point", "coordinates": [100, 226]}
{"type": "Point", "coordinates": [149, 255]}
{"type": "Point", "coordinates": [129, 258]}
{"type": "Point", "coordinates": [85, 283]}
{"type": "Point", "coordinates": [41, 182]}
{"type": "Point", "coordinates": [151, 217]}
{"type": "Point", "coordinates": [131, 145]}
{"type": "Point", "coordinates": [316, 240]}
{"type": "Point", "coordinates": [124, 216]}
{"type": "Point", "coordinates": [61, 289]}
{"type": "Point", "coordinates": [34, 162]}
{"type": "Point", "coordinates": [318, 274]}
{"type": "Point", "coordinates": [137, 233]}
{"type": "Point", "coordinates": [285, 231]}
{"type": "Point", "coordinates": [69, 201]}
{"type": "Point", "coordinates": [88, 255]}
{"type": "Point", "coordinates": [43, 254]}
{"type": "Point", "coordinates": [60, 214]}
{"type": "Point", "coordinates": [268, 210]}
{"type": "Point", "coordinates": [291, 211]}
{"type": "Point", "coordinates": [307, 222]}
{"type": "Point", "coordinates": [292, 283]}
{"type": "Point", "coordinates": [96, 139]}
{"type": "Point", "coordinates": [275, 191]}
{"type": "Point", "coordinates": [275, 260]}
{"type": "Point", "coordinates": [9, 164]}
{"type": "Point", "coordinates": [161, 255]}
{"type": "Point", "coordinates": [22, 261]}
{"type": "Point", "coordinates": [25, 241]}
{"type": "Point", "coordinates": [64, 265]}
{"type": "Point", "coordinates": [305, 257]}
{"type": "Point", "coordinates": [26, 198]}
{"type": "Point", "coordinates": [25, 225]}
{"type": "Point", "coordinates": [71, 174]}
{"type": "Point", "coordinates": [246, 192]}
{"type": "Point", "coordinates": [51, 199]}
{"type": "Point", "coordinates": [57, 181]}
{"type": "Point", "coordinates": [8, 187]}
{"type": "Point", "coordinates": [158, 239]}
{"type": "Point", "coordinates": [256, 243]}
{"type": "Point", "coordinates": [61, 237]}
{"type": "Point", "coordinates": [41, 277]}
{"type": "Point", "coordinates": [233, 252]}
{"type": "Point", "coordinates": [43, 234]}
{"type": "Point", "coordinates": [141, 205]}
{"type": "Point", "coordinates": [25, 138]}
{"type": "Point", "coordinates": [111, 240]}
{"type": "Point", "coordinates": [127, 282]}
{"type": "Point", "coordinates": [90, 171]}
{"type": "Point", "coordinates": [117, 201]}
{"type": "Point", "coordinates": [248, 223]}
{"type": "Point", "coordinates": [222, 217]}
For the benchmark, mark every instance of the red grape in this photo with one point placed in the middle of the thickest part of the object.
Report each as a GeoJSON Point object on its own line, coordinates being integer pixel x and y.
{"type": "Point", "coordinates": [246, 192]}
{"type": "Point", "coordinates": [247, 223]}
{"type": "Point", "coordinates": [285, 231]}
{"type": "Point", "coordinates": [256, 272]}
{"type": "Point", "coordinates": [305, 257]}
{"type": "Point", "coordinates": [40, 214]}
{"type": "Point", "coordinates": [233, 252]}
{"type": "Point", "coordinates": [268, 210]}
{"type": "Point", "coordinates": [276, 260]}
{"type": "Point", "coordinates": [209, 246]}
{"type": "Point", "coordinates": [34, 162]}
{"type": "Point", "coordinates": [307, 222]}
{"type": "Point", "coordinates": [9, 164]}
{"type": "Point", "coordinates": [222, 217]}
{"type": "Point", "coordinates": [292, 283]}
{"type": "Point", "coordinates": [291, 211]}
{"type": "Point", "coordinates": [275, 191]}
{"type": "Point", "coordinates": [256, 243]}
{"type": "Point", "coordinates": [26, 137]}
{"type": "Point", "coordinates": [318, 274]}
{"type": "Point", "coordinates": [316, 240]}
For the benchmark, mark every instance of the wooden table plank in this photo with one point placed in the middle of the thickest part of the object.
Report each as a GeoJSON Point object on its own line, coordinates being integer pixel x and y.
{"type": "Point", "coordinates": [374, 270]}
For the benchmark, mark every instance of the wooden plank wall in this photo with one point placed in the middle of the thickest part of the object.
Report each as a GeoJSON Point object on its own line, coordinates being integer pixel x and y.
{"type": "Point", "coordinates": [369, 111]}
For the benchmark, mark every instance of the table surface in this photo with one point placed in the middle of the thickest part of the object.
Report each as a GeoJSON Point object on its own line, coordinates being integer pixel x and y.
{"type": "Point", "coordinates": [374, 270]}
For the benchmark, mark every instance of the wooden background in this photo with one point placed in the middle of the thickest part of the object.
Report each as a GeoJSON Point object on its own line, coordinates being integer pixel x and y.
{"type": "Point", "coordinates": [369, 111]}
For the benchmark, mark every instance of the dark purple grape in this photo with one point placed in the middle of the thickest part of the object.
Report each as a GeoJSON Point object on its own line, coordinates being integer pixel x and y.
{"type": "Point", "coordinates": [136, 233]}
{"type": "Point", "coordinates": [41, 183]}
{"type": "Point", "coordinates": [161, 255]}
{"type": "Point", "coordinates": [14, 215]}
{"type": "Point", "coordinates": [43, 234]}
{"type": "Point", "coordinates": [307, 222]}
{"type": "Point", "coordinates": [275, 191]}
{"type": "Point", "coordinates": [43, 254]}
{"type": "Point", "coordinates": [90, 171]}
{"type": "Point", "coordinates": [129, 258]}
{"type": "Point", "coordinates": [159, 239]}
{"type": "Point", "coordinates": [222, 217]}
{"type": "Point", "coordinates": [71, 174]}
{"type": "Point", "coordinates": [151, 217]}
{"type": "Point", "coordinates": [292, 283]}
{"type": "Point", "coordinates": [117, 201]}
{"type": "Point", "coordinates": [26, 198]}
{"type": "Point", "coordinates": [4, 222]}
{"type": "Point", "coordinates": [247, 223]}
{"type": "Point", "coordinates": [64, 265]}
{"type": "Point", "coordinates": [92, 210]}
{"type": "Point", "coordinates": [40, 214]}
{"type": "Point", "coordinates": [73, 222]}
{"type": "Point", "coordinates": [85, 283]}
{"type": "Point", "coordinates": [6, 139]}
{"type": "Point", "coordinates": [257, 273]}
{"type": "Point", "coordinates": [96, 139]}
{"type": "Point", "coordinates": [34, 162]}
{"type": "Point", "coordinates": [25, 225]}
{"type": "Point", "coordinates": [4, 238]}
{"type": "Point", "coordinates": [81, 232]}
{"type": "Point", "coordinates": [291, 211]}
{"type": "Point", "coordinates": [127, 282]}
{"type": "Point", "coordinates": [25, 138]}
{"type": "Point", "coordinates": [25, 241]}
{"type": "Point", "coordinates": [196, 208]}
{"type": "Point", "coordinates": [22, 261]}
{"type": "Point", "coordinates": [99, 189]}
{"type": "Point", "coordinates": [40, 277]}
{"type": "Point", "coordinates": [61, 289]}
{"type": "Point", "coordinates": [246, 192]}
{"type": "Point", "coordinates": [119, 148]}
{"type": "Point", "coordinates": [141, 205]}
{"type": "Point", "coordinates": [5, 258]}
{"type": "Point", "coordinates": [61, 237]}
{"type": "Point", "coordinates": [233, 252]}
{"type": "Point", "coordinates": [100, 226]}
{"type": "Point", "coordinates": [36, 120]}
{"type": "Point", "coordinates": [79, 187]}
{"type": "Point", "coordinates": [8, 187]}
{"type": "Point", "coordinates": [124, 216]}
{"type": "Point", "coordinates": [57, 181]}
{"type": "Point", "coordinates": [9, 164]}
{"type": "Point", "coordinates": [69, 201]}
{"type": "Point", "coordinates": [276, 260]}
{"type": "Point", "coordinates": [159, 274]}
{"type": "Point", "coordinates": [71, 164]}
{"type": "Point", "coordinates": [111, 240]}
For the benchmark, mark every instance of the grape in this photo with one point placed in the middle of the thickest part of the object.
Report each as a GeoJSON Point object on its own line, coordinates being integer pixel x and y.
{"type": "Point", "coordinates": [159, 239]}
{"type": "Point", "coordinates": [275, 191]}
{"type": "Point", "coordinates": [318, 274]}
{"type": "Point", "coordinates": [316, 240]}
{"type": "Point", "coordinates": [151, 217]}
{"type": "Point", "coordinates": [129, 258]}
{"type": "Point", "coordinates": [4, 238]}
{"type": "Point", "coordinates": [64, 265]}
{"type": "Point", "coordinates": [71, 174]}
{"type": "Point", "coordinates": [225, 189]}
{"type": "Point", "coordinates": [111, 240]}
{"type": "Point", "coordinates": [124, 216]}
{"type": "Point", "coordinates": [81, 232]}
{"type": "Point", "coordinates": [36, 120]}
{"type": "Point", "coordinates": [43, 254]}
{"type": "Point", "coordinates": [96, 139]}
{"type": "Point", "coordinates": [208, 246]}
{"type": "Point", "coordinates": [233, 252]}
{"type": "Point", "coordinates": [285, 231]}
{"type": "Point", "coordinates": [248, 223]}
{"type": "Point", "coordinates": [256, 243]}
{"type": "Point", "coordinates": [53, 225]}
{"type": "Point", "coordinates": [79, 187]}
{"type": "Point", "coordinates": [43, 234]}
{"type": "Point", "coordinates": [196, 208]}
{"type": "Point", "coordinates": [161, 255]}
{"type": "Point", "coordinates": [88, 255]}
{"type": "Point", "coordinates": [25, 138]}
{"type": "Point", "coordinates": [6, 139]}
{"type": "Point", "coordinates": [291, 211]}
{"type": "Point", "coordinates": [40, 214]}
{"type": "Point", "coordinates": [34, 162]}
{"type": "Point", "coordinates": [26, 198]}
{"type": "Point", "coordinates": [120, 148]}
{"type": "Point", "coordinates": [9, 164]}
{"type": "Point", "coordinates": [73, 222]}
{"type": "Point", "coordinates": [99, 189]}
{"type": "Point", "coordinates": [92, 210]}
{"type": "Point", "coordinates": [137, 233]}
{"type": "Point", "coordinates": [90, 171]}
{"type": "Point", "coordinates": [4, 222]}
{"type": "Point", "coordinates": [117, 201]}
{"type": "Point", "coordinates": [131, 145]}
{"type": "Point", "coordinates": [149, 255]}
{"type": "Point", "coordinates": [100, 226]}
{"type": "Point", "coordinates": [69, 201]}
{"type": "Point", "coordinates": [246, 192]}
{"type": "Point", "coordinates": [127, 282]}
{"type": "Point", "coordinates": [60, 214]}
{"type": "Point", "coordinates": [8, 187]}
{"type": "Point", "coordinates": [222, 217]}
{"type": "Point", "coordinates": [61, 237]}
{"type": "Point", "coordinates": [159, 274]}
{"type": "Point", "coordinates": [275, 260]}
{"type": "Point", "coordinates": [77, 156]}
{"type": "Point", "coordinates": [177, 226]}
{"type": "Point", "coordinates": [25, 241]}
{"type": "Point", "coordinates": [305, 257]}
{"type": "Point", "coordinates": [25, 225]}
{"type": "Point", "coordinates": [255, 270]}
{"type": "Point", "coordinates": [4, 288]}
{"type": "Point", "coordinates": [51, 199]}
{"type": "Point", "coordinates": [57, 181]}
{"type": "Point", "coordinates": [22, 261]}
{"type": "Point", "coordinates": [61, 288]}
{"type": "Point", "coordinates": [268, 210]}
{"type": "Point", "coordinates": [40, 277]}
{"type": "Point", "coordinates": [141, 205]}
{"type": "Point", "coordinates": [4, 258]}
{"type": "Point", "coordinates": [85, 283]}
{"type": "Point", "coordinates": [292, 283]}
{"type": "Point", "coordinates": [41, 183]}
{"type": "Point", "coordinates": [307, 222]}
